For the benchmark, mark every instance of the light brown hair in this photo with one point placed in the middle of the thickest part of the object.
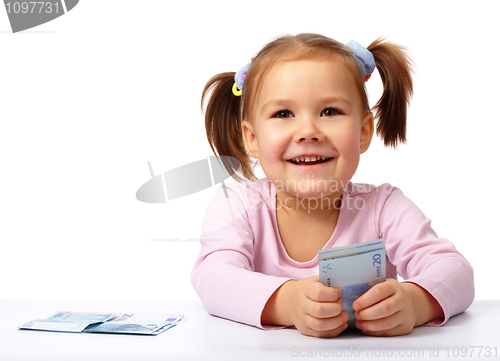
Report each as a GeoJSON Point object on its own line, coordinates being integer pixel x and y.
{"type": "Point", "coordinates": [224, 111]}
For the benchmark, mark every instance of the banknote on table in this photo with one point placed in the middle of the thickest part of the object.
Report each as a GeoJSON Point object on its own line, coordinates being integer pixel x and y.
{"type": "Point", "coordinates": [140, 324]}
{"type": "Point", "coordinates": [353, 269]}
{"type": "Point", "coordinates": [69, 321]}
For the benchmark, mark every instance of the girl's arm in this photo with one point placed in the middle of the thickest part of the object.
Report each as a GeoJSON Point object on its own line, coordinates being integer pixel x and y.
{"type": "Point", "coordinates": [223, 274]}
{"type": "Point", "coordinates": [439, 281]}
{"type": "Point", "coordinates": [230, 289]}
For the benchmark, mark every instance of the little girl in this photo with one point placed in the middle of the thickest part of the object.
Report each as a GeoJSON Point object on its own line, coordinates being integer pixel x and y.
{"type": "Point", "coordinates": [302, 110]}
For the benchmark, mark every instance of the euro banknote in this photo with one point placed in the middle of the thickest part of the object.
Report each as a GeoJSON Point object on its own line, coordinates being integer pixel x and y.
{"type": "Point", "coordinates": [142, 324]}
{"type": "Point", "coordinates": [353, 269]}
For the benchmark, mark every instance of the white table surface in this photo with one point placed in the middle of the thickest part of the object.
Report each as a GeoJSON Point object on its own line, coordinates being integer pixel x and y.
{"type": "Point", "coordinates": [205, 337]}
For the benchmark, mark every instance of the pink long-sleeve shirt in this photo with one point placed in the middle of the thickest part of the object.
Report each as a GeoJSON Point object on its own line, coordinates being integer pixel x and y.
{"type": "Point", "coordinates": [243, 261]}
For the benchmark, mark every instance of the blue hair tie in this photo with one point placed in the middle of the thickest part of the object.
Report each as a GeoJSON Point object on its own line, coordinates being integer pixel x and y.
{"type": "Point", "coordinates": [239, 77]}
{"type": "Point", "coordinates": [363, 56]}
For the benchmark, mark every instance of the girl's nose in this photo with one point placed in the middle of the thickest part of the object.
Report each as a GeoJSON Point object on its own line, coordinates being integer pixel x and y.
{"type": "Point", "coordinates": [308, 131]}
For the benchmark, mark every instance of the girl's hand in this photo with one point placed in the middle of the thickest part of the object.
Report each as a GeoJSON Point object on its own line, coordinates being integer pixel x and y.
{"type": "Point", "coordinates": [315, 309]}
{"type": "Point", "coordinates": [392, 308]}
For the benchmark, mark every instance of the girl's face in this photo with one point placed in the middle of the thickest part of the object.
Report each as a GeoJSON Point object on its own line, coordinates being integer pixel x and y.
{"type": "Point", "coordinates": [308, 128]}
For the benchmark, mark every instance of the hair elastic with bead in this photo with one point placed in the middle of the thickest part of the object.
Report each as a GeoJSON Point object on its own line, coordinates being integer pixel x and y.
{"type": "Point", "coordinates": [239, 77]}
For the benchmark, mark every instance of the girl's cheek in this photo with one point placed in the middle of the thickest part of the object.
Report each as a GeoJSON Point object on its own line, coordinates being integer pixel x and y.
{"type": "Point", "coordinates": [345, 143]}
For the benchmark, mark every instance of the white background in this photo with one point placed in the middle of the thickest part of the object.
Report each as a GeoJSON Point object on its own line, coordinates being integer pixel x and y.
{"type": "Point", "coordinates": [87, 99]}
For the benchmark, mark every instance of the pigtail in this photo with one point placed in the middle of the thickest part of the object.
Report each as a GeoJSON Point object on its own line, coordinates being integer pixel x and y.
{"type": "Point", "coordinates": [222, 124]}
{"type": "Point", "coordinates": [395, 68]}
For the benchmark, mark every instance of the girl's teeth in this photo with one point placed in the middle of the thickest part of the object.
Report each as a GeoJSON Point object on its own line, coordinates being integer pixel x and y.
{"type": "Point", "coordinates": [308, 159]}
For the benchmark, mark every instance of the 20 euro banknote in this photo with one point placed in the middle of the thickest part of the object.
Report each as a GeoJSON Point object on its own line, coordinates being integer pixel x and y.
{"type": "Point", "coordinates": [353, 269]}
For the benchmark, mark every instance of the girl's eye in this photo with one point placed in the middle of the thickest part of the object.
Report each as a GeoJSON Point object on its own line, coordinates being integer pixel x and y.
{"type": "Point", "coordinates": [283, 114]}
{"type": "Point", "coordinates": [329, 112]}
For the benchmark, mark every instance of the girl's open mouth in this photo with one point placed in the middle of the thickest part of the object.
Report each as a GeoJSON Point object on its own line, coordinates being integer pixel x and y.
{"type": "Point", "coordinates": [309, 160]}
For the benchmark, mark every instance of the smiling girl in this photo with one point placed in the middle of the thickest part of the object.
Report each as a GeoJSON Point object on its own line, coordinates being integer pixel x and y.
{"type": "Point", "coordinates": [302, 110]}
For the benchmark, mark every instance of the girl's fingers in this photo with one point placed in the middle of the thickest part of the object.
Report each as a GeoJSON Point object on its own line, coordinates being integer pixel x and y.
{"type": "Point", "coordinates": [320, 293]}
{"type": "Point", "coordinates": [382, 324]}
{"type": "Point", "coordinates": [327, 326]}
{"type": "Point", "coordinates": [326, 334]}
{"type": "Point", "coordinates": [381, 310]}
{"type": "Point", "coordinates": [375, 295]}
{"type": "Point", "coordinates": [395, 331]}
{"type": "Point", "coordinates": [324, 309]}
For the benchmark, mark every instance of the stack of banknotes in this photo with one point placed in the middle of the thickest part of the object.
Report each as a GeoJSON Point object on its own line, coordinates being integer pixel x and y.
{"type": "Point", "coordinates": [353, 269]}
{"type": "Point", "coordinates": [140, 324]}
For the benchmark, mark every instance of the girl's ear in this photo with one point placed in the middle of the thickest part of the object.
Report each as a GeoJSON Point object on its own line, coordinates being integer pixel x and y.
{"type": "Point", "coordinates": [366, 133]}
{"type": "Point", "coordinates": [250, 139]}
